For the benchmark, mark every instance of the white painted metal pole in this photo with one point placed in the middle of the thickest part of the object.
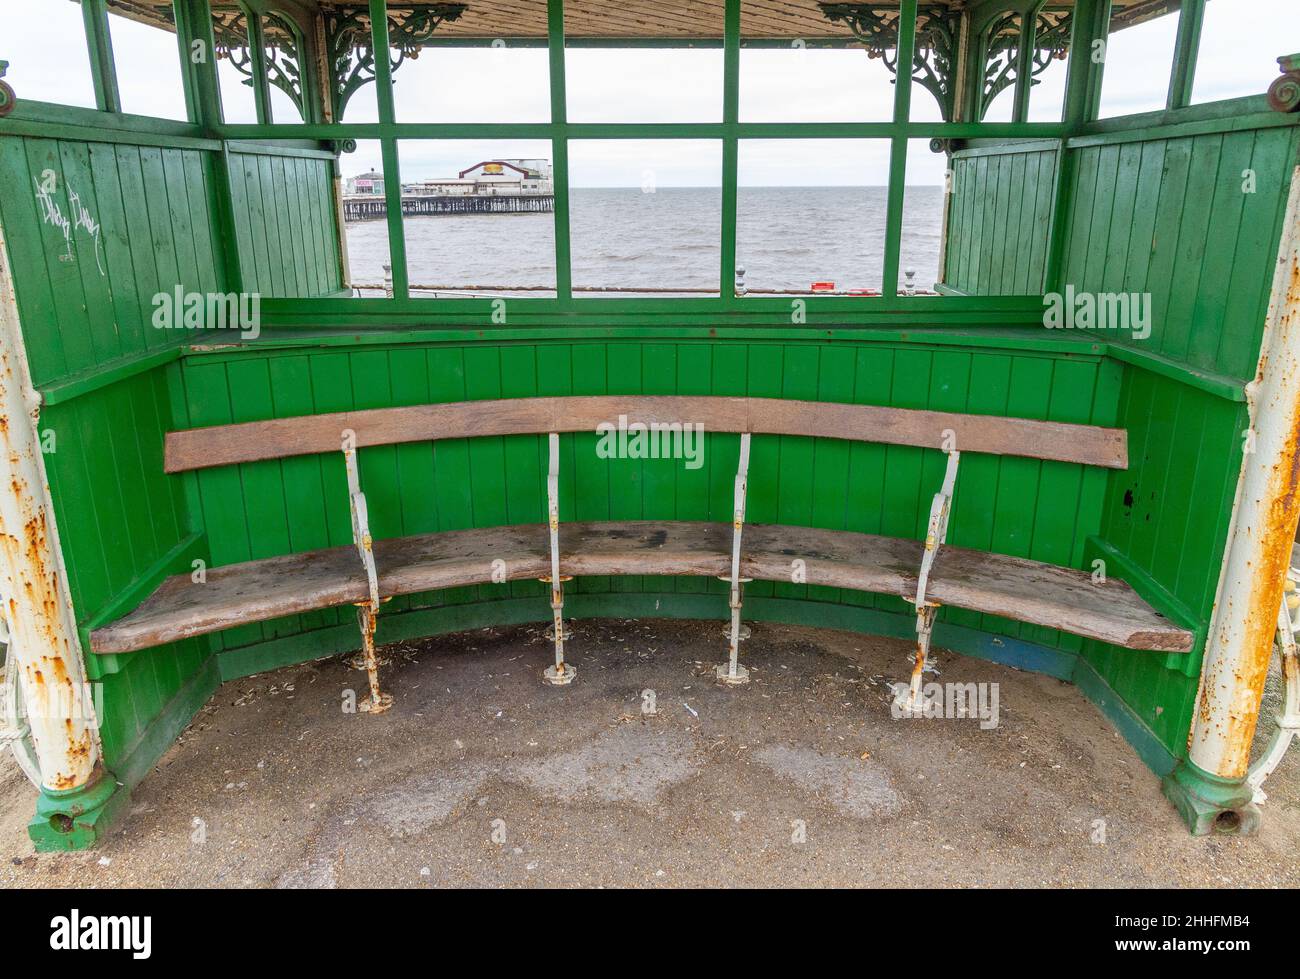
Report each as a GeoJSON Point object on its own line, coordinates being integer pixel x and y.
{"type": "Point", "coordinates": [38, 610]}
{"type": "Point", "coordinates": [1240, 641]}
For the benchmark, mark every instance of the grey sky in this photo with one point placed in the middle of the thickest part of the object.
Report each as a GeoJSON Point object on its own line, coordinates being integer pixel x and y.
{"type": "Point", "coordinates": [48, 62]}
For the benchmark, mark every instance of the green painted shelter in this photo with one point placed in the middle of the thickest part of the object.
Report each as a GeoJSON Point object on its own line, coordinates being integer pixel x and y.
{"type": "Point", "coordinates": [1106, 259]}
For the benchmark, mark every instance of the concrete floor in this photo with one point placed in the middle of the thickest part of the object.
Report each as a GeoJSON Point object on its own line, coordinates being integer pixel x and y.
{"type": "Point", "coordinates": [480, 775]}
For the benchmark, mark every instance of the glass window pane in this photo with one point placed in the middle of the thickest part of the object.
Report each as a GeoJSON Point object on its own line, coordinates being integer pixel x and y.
{"type": "Point", "coordinates": [924, 202]}
{"type": "Point", "coordinates": [1051, 67]}
{"type": "Point", "coordinates": [365, 228]}
{"type": "Point", "coordinates": [30, 32]}
{"type": "Point", "coordinates": [646, 217]}
{"type": "Point", "coordinates": [1139, 58]}
{"type": "Point", "coordinates": [799, 65]}
{"type": "Point", "coordinates": [1240, 48]}
{"type": "Point", "coordinates": [478, 217]}
{"type": "Point", "coordinates": [811, 215]}
{"type": "Point", "coordinates": [148, 64]}
{"type": "Point", "coordinates": [643, 61]}
{"type": "Point", "coordinates": [484, 65]}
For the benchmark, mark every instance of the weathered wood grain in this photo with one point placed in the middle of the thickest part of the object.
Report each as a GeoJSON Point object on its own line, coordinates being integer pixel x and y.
{"type": "Point", "coordinates": [219, 445]}
{"type": "Point", "coordinates": [1029, 591]}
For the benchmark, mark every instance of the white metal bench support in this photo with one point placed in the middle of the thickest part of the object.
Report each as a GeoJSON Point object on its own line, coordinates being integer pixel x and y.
{"type": "Point", "coordinates": [561, 673]}
{"type": "Point", "coordinates": [732, 672]}
{"type": "Point", "coordinates": [935, 536]}
{"type": "Point", "coordinates": [367, 611]}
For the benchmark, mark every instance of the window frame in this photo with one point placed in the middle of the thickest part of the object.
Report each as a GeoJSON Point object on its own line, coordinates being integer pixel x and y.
{"type": "Point", "coordinates": [1079, 124]}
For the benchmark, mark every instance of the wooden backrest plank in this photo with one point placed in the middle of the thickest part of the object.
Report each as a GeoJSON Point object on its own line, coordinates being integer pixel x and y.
{"type": "Point", "coordinates": [278, 438]}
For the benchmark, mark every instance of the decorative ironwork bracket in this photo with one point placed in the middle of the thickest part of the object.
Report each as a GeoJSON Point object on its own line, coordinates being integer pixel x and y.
{"type": "Point", "coordinates": [283, 55]}
{"type": "Point", "coordinates": [1002, 48]}
{"type": "Point", "coordinates": [7, 98]}
{"type": "Point", "coordinates": [1284, 93]}
{"type": "Point", "coordinates": [351, 49]}
{"type": "Point", "coordinates": [934, 57]}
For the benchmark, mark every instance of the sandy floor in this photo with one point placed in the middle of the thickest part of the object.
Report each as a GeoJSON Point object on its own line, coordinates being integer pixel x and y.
{"type": "Point", "coordinates": [480, 775]}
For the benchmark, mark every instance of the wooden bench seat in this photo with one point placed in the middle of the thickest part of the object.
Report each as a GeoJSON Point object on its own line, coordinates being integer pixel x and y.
{"type": "Point", "coordinates": [927, 573]}
{"type": "Point", "coordinates": [1030, 591]}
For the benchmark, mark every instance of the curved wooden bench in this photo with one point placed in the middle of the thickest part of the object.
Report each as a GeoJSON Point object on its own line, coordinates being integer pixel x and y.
{"type": "Point", "coordinates": [926, 573]}
{"type": "Point", "coordinates": [1030, 591]}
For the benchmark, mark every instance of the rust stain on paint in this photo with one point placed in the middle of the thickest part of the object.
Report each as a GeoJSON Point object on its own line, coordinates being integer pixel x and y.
{"type": "Point", "coordinates": [35, 605]}
{"type": "Point", "coordinates": [1268, 577]}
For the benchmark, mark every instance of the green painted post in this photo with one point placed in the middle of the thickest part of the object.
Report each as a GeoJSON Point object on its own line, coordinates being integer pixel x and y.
{"type": "Point", "coordinates": [202, 88]}
{"type": "Point", "coordinates": [257, 58]}
{"type": "Point", "coordinates": [103, 72]}
{"type": "Point", "coordinates": [185, 36]}
{"type": "Point", "coordinates": [203, 99]}
{"type": "Point", "coordinates": [388, 144]}
{"type": "Point", "coordinates": [730, 148]}
{"type": "Point", "coordinates": [559, 132]}
{"type": "Point", "coordinates": [1082, 92]}
{"type": "Point", "coordinates": [898, 147]}
{"type": "Point", "coordinates": [1025, 60]}
{"type": "Point", "coordinates": [1183, 73]}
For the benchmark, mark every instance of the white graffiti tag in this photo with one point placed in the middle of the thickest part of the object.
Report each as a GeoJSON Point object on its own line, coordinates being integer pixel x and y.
{"type": "Point", "coordinates": [52, 214]}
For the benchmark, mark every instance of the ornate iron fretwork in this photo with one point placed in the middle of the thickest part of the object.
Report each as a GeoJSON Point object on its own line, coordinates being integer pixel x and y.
{"type": "Point", "coordinates": [230, 34]}
{"type": "Point", "coordinates": [934, 58]}
{"type": "Point", "coordinates": [351, 51]}
{"type": "Point", "coordinates": [1001, 50]}
{"type": "Point", "coordinates": [283, 57]}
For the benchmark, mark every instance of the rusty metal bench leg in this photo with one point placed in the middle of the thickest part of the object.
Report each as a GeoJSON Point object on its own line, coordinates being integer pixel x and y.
{"type": "Point", "coordinates": [561, 673]}
{"type": "Point", "coordinates": [912, 701]}
{"type": "Point", "coordinates": [377, 702]}
{"type": "Point", "coordinates": [368, 611]}
{"type": "Point", "coordinates": [731, 672]}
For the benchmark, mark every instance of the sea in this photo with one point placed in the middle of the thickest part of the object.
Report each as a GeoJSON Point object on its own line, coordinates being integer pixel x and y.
{"type": "Point", "coordinates": [665, 241]}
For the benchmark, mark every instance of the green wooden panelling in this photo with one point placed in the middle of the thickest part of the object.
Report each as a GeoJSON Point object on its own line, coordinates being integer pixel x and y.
{"type": "Point", "coordinates": [1167, 517]}
{"type": "Point", "coordinates": [88, 306]}
{"type": "Point", "coordinates": [88, 303]}
{"type": "Point", "coordinates": [999, 219]}
{"type": "Point", "coordinates": [118, 515]}
{"type": "Point", "coordinates": [285, 224]}
{"type": "Point", "coordinates": [1193, 221]}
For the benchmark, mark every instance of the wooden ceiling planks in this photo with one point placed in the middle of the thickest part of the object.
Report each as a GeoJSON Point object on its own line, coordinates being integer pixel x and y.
{"type": "Point", "coordinates": [640, 19]}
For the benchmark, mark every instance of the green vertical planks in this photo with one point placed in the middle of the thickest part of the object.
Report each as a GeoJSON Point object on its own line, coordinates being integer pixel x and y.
{"type": "Point", "coordinates": [285, 223]}
{"type": "Point", "coordinates": [1194, 222]}
{"type": "Point", "coordinates": [999, 219]}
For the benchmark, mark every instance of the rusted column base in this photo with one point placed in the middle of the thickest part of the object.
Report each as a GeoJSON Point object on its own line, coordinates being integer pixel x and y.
{"type": "Point", "coordinates": [1210, 804]}
{"type": "Point", "coordinates": [77, 819]}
